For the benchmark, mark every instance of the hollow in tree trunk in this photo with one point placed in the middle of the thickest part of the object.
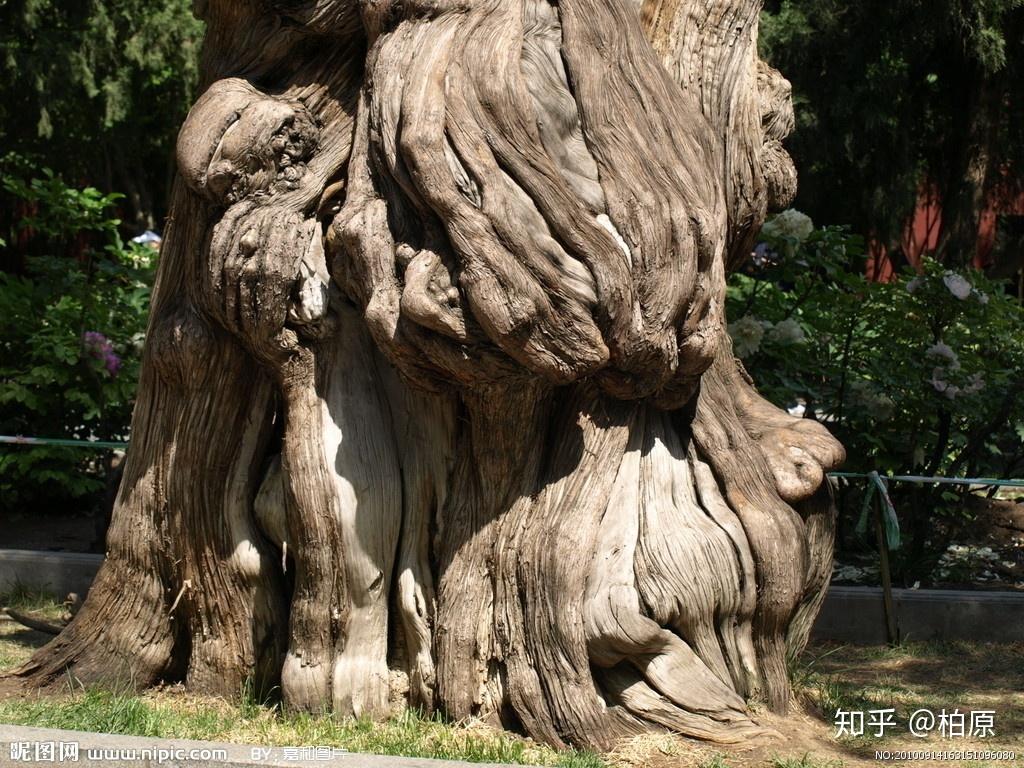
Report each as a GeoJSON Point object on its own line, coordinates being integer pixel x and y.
{"type": "Point", "coordinates": [437, 398]}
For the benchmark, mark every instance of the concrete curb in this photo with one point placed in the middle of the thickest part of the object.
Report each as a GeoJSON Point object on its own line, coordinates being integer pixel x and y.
{"type": "Point", "coordinates": [56, 572]}
{"type": "Point", "coordinates": [102, 749]}
{"type": "Point", "coordinates": [857, 615]}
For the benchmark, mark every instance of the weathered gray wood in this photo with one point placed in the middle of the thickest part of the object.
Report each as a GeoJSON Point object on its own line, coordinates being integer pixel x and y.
{"type": "Point", "coordinates": [438, 366]}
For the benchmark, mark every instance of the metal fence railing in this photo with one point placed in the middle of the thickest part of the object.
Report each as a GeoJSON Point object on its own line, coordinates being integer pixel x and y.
{"type": "Point", "coordinates": [61, 443]}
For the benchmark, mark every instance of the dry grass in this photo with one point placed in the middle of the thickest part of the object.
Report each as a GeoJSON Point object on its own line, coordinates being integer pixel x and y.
{"type": "Point", "coordinates": [16, 641]}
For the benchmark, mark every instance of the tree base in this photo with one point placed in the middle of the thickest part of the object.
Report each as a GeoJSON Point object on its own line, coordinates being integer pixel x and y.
{"type": "Point", "coordinates": [602, 567]}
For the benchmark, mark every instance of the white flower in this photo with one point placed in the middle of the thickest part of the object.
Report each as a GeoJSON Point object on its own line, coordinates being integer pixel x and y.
{"type": "Point", "coordinates": [982, 297]}
{"type": "Point", "coordinates": [958, 285]}
{"type": "Point", "coordinates": [790, 223]}
{"type": "Point", "coordinates": [787, 332]}
{"type": "Point", "coordinates": [915, 284]}
{"type": "Point", "coordinates": [975, 383]}
{"type": "Point", "coordinates": [746, 333]}
{"type": "Point", "coordinates": [940, 384]}
{"type": "Point", "coordinates": [943, 351]}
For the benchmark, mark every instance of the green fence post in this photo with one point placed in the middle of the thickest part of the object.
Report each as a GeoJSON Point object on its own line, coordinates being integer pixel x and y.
{"type": "Point", "coordinates": [892, 629]}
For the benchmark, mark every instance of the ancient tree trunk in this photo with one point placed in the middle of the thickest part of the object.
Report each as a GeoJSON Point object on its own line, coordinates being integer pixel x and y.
{"type": "Point", "coordinates": [437, 397]}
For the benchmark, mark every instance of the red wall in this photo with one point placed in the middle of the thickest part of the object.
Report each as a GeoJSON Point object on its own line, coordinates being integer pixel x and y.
{"type": "Point", "coordinates": [924, 229]}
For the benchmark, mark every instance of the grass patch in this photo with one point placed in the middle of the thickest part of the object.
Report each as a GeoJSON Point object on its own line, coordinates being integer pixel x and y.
{"type": "Point", "coordinates": [12, 652]}
{"type": "Point", "coordinates": [916, 675]}
{"type": "Point", "coordinates": [828, 677]}
{"type": "Point", "coordinates": [17, 642]}
{"type": "Point", "coordinates": [169, 714]}
{"type": "Point", "coordinates": [108, 712]}
{"type": "Point", "coordinates": [804, 761]}
{"type": "Point", "coordinates": [25, 598]}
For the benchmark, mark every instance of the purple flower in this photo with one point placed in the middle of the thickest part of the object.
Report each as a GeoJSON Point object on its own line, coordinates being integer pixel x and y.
{"type": "Point", "coordinates": [112, 363]}
{"type": "Point", "coordinates": [100, 347]}
{"type": "Point", "coordinates": [94, 340]}
{"type": "Point", "coordinates": [763, 255]}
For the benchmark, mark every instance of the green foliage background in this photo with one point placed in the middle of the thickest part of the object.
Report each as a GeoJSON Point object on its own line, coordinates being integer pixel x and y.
{"type": "Point", "coordinates": [891, 93]}
{"type": "Point", "coordinates": [919, 376]}
{"type": "Point", "coordinates": [96, 90]}
{"type": "Point", "coordinates": [52, 382]}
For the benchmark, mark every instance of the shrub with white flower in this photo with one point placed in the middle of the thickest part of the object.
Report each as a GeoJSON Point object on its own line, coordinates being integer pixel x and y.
{"type": "Point", "coordinates": [787, 331]}
{"type": "Point", "coordinates": [958, 285]}
{"type": "Point", "coordinates": [903, 372]}
{"type": "Point", "coordinates": [790, 224]}
{"type": "Point", "coordinates": [942, 379]}
{"type": "Point", "coordinates": [942, 351]}
{"type": "Point", "coordinates": [942, 385]}
{"type": "Point", "coordinates": [975, 383]}
{"type": "Point", "coordinates": [746, 333]}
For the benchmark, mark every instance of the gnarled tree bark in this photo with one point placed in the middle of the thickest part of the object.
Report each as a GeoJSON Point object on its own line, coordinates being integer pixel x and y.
{"type": "Point", "coordinates": [437, 379]}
